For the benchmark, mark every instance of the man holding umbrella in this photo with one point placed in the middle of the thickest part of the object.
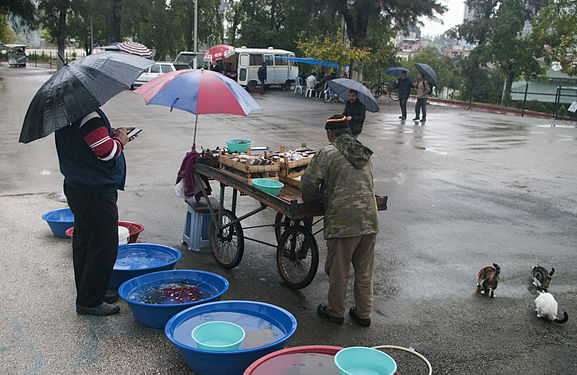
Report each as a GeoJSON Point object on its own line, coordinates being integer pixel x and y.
{"type": "Point", "coordinates": [91, 159]}
{"type": "Point", "coordinates": [355, 113]}
{"type": "Point", "coordinates": [423, 89]}
{"type": "Point", "coordinates": [403, 85]}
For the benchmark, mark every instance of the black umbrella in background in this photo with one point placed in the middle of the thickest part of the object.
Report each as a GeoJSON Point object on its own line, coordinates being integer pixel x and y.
{"type": "Point", "coordinates": [79, 88]}
{"type": "Point", "coordinates": [428, 73]}
{"type": "Point", "coordinates": [397, 71]}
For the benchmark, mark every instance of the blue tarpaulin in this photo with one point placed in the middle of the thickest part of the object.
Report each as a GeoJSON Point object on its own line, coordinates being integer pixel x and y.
{"type": "Point", "coordinates": [310, 60]}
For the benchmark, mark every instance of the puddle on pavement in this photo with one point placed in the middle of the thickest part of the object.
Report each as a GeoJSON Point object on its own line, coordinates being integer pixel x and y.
{"type": "Point", "coordinates": [58, 196]}
{"type": "Point", "coordinates": [564, 126]}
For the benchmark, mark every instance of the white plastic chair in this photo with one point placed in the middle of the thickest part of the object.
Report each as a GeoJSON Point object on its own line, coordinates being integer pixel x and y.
{"type": "Point", "coordinates": [299, 86]}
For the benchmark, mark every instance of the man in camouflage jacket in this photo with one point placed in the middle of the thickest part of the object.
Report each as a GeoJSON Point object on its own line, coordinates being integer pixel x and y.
{"type": "Point", "coordinates": [341, 176]}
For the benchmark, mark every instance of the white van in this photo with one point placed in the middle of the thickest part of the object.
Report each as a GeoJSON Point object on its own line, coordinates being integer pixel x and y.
{"type": "Point", "coordinates": [243, 66]}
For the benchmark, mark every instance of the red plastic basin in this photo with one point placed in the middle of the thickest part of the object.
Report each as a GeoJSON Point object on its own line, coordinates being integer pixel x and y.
{"type": "Point", "coordinates": [281, 361]}
{"type": "Point", "coordinates": [134, 230]}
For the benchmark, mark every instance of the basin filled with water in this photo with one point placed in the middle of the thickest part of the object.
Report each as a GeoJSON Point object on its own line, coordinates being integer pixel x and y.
{"type": "Point", "coordinates": [267, 327]}
{"type": "Point", "coordinates": [135, 259]}
{"type": "Point", "coordinates": [156, 297]}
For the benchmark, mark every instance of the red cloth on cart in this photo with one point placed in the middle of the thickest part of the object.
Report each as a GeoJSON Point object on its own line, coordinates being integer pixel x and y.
{"type": "Point", "coordinates": [186, 173]}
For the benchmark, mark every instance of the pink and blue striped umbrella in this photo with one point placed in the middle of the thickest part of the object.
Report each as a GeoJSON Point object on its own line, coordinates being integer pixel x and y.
{"type": "Point", "coordinates": [198, 91]}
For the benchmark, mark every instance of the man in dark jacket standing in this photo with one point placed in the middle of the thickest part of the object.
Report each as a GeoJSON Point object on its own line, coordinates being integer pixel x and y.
{"type": "Point", "coordinates": [403, 85]}
{"type": "Point", "coordinates": [341, 176]}
{"type": "Point", "coordinates": [262, 76]}
{"type": "Point", "coordinates": [355, 113]}
{"type": "Point", "coordinates": [91, 159]}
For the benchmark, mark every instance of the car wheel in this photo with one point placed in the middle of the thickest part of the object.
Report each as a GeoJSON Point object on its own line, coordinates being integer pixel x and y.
{"type": "Point", "coordinates": [251, 86]}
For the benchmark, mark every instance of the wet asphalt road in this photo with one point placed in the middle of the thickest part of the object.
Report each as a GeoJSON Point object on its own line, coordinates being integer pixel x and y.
{"type": "Point", "coordinates": [465, 190]}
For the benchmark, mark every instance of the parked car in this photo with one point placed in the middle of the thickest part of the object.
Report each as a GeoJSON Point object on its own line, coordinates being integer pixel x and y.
{"type": "Point", "coordinates": [16, 55]}
{"type": "Point", "coordinates": [154, 71]}
{"type": "Point", "coordinates": [185, 60]}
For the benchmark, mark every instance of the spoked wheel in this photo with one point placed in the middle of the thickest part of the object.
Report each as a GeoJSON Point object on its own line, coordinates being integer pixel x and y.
{"type": "Point", "coordinates": [228, 243]}
{"type": "Point", "coordinates": [377, 90]}
{"type": "Point", "coordinates": [281, 224]}
{"type": "Point", "coordinates": [297, 256]}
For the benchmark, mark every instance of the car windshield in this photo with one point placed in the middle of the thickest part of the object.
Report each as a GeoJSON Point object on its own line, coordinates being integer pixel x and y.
{"type": "Point", "coordinates": [166, 68]}
{"type": "Point", "coordinates": [184, 58]}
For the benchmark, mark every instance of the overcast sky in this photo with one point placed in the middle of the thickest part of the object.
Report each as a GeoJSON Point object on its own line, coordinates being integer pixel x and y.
{"type": "Point", "coordinates": [454, 16]}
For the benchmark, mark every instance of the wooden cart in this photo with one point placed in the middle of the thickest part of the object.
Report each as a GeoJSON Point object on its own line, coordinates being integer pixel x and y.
{"type": "Point", "coordinates": [297, 250]}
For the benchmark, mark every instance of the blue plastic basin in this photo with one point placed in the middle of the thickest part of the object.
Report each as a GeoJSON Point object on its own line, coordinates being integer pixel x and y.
{"type": "Point", "coordinates": [251, 316]}
{"type": "Point", "coordinates": [156, 315]}
{"type": "Point", "coordinates": [218, 336]}
{"type": "Point", "coordinates": [135, 259]}
{"type": "Point", "coordinates": [358, 360]}
{"type": "Point", "coordinates": [59, 221]}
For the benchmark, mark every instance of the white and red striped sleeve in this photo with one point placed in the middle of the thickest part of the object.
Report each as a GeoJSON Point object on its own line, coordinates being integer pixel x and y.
{"type": "Point", "coordinates": [96, 136]}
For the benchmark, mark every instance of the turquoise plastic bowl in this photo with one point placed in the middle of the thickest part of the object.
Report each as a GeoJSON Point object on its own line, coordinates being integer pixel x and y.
{"type": "Point", "coordinates": [358, 360]}
{"type": "Point", "coordinates": [218, 336]}
{"type": "Point", "coordinates": [268, 186]}
{"type": "Point", "coordinates": [238, 145]}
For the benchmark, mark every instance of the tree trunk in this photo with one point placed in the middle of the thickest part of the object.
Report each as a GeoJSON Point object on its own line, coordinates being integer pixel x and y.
{"type": "Point", "coordinates": [507, 92]}
{"type": "Point", "coordinates": [116, 19]}
{"type": "Point", "coordinates": [189, 27]}
{"type": "Point", "coordinates": [61, 37]}
{"type": "Point", "coordinates": [272, 14]}
{"type": "Point", "coordinates": [235, 22]}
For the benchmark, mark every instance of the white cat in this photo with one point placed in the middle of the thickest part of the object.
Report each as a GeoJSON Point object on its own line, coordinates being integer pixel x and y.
{"type": "Point", "coordinates": [546, 307]}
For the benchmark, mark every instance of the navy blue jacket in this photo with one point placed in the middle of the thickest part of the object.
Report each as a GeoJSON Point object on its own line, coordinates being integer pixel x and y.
{"type": "Point", "coordinates": [80, 166]}
{"type": "Point", "coordinates": [404, 87]}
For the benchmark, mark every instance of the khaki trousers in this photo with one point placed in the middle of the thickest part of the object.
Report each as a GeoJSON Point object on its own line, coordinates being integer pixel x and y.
{"type": "Point", "coordinates": [341, 252]}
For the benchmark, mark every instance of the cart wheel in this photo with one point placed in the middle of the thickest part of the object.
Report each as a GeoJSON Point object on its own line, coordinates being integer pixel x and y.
{"type": "Point", "coordinates": [227, 246]}
{"type": "Point", "coordinates": [297, 256]}
{"type": "Point", "coordinates": [281, 224]}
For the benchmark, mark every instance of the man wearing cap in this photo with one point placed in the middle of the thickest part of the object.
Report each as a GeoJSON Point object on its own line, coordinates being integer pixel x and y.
{"type": "Point", "coordinates": [341, 176]}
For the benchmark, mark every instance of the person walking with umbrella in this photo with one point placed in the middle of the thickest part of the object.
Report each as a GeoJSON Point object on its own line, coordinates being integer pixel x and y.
{"type": "Point", "coordinates": [355, 112]}
{"type": "Point", "coordinates": [423, 89]}
{"type": "Point", "coordinates": [262, 76]}
{"type": "Point", "coordinates": [403, 85]}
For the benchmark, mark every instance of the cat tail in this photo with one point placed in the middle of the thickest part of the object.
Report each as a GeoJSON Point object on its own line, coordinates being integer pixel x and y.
{"type": "Point", "coordinates": [497, 268]}
{"type": "Point", "coordinates": [565, 318]}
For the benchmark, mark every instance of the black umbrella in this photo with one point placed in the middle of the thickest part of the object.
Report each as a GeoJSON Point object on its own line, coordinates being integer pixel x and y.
{"type": "Point", "coordinates": [342, 86]}
{"type": "Point", "coordinates": [428, 73]}
{"type": "Point", "coordinates": [397, 71]}
{"type": "Point", "coordinates": [79, 88]}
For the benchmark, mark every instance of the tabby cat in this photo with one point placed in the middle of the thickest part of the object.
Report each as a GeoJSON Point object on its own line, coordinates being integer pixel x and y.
{"type": "Point", "coordinates": [546, 307]}
{"type": "Point", "coordinates": [488, 279]}
{"type": "Point", "coordinates": [541, 277]}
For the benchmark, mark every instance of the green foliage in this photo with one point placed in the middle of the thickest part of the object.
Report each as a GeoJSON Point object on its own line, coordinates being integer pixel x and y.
{"type": "Point", "coordinates": [554, 27]}
{"type": "Point", "coordinates": [48, 38]}
{"type": "Point", "coordinates": [534, 105]}
{"type": "Point", "coordinates": [7, 34]}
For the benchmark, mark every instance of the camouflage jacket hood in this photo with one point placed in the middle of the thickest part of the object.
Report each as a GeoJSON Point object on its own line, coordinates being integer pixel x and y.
{"type": "Point", "coordinates": [353, 150]}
